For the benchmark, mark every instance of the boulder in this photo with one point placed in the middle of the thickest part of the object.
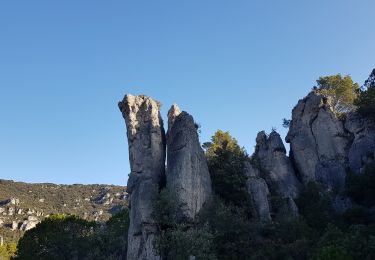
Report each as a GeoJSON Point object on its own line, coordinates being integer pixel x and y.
{"type": "Point", "coordinates": [146, 141]}
{"type": "Point", "coordinates": [188, 178]}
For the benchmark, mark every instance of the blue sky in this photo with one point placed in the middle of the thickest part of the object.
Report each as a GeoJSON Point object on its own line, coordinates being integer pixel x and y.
{"type": "Point", "coordinates": [239, 66]}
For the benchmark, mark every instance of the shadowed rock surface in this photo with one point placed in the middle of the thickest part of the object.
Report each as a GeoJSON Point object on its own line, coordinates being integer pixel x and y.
{"type": "Point", "coordinates": [146, 140]}
{"type": "Point", "coordinates": [258, 191]}
{"type": "Point", "coordinates": [276, 165]}
{"type": "Point", "coordinates": [277, 169]}
{"type": "Point", "coordinates": [187, 175]}
{"type": "Point", "coordinates": [362, 150]}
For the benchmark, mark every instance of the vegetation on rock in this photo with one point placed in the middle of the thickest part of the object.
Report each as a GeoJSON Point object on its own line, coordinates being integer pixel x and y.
{"type": "Point", "coordinates": [342, 91]}
{"type": "Point", "coordinates": [366, 98]}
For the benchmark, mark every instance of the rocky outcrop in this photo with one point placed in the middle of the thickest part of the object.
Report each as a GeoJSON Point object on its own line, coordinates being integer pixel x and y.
{"type": "Point", "coordinates": [362, 149]}
{"type": "Point", "coordinates": [277, 170]}
{"type": "Point", "coordinates": [259, 193]}
{"type": "Point", "coordinates": [173, 112]}
{"type": "Point", "coordinates": [146, 141]}
{"type": "Point", "coordinates": [188, 178]}
{"type": "Point", "coordinates": [277, 167]}
{"type": "Point", "coordinates": [319, 141]}
{"type": "Point", "coordinates": [29, 223]}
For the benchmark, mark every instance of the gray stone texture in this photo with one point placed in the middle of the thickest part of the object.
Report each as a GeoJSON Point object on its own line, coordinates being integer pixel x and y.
{"type": "Point", "coordinates": [146, 140]}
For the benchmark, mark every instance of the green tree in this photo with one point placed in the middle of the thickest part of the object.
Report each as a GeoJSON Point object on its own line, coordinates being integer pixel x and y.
{"type": "Point", "coordinates": [57, 237]}
{"type": "Point", "coordinates": [361, 187]}
{"type": "Point", "coordinates": [111, 241]}
{"type": "Point", "coordinates": [315, 206]}
{"type": "Point", "coordinates": [366, 98]}
{"type": "Point", "coordinates": [226, 162]}
{"type": "Point", "coordinates": [342, 91]}
{"type": "Point", "coordinates": [176, 240]}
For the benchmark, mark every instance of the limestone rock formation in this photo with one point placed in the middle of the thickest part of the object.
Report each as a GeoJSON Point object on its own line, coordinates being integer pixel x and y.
{"type": "Point", "coordinates": [259, 193]}
{"type": "Point", "coordinates": [30, 223]}
{"type": "Point", "coordinates": [273, 161]}
{"type": "Point", "coordinates": [173, 112]}
{"type": "Point", "coordinates": [278, 172]}
{"type": "Point", "coordinates": [362, 150]}
{"type": "Point", "coordinates": [146, 140]}
{"type": "Point", "coordinates": [187, 175]}
{"type": "Point", "coordinates": [319, 141]}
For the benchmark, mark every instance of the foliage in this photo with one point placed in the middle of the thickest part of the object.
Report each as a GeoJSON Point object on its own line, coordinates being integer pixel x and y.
{"type": "Point", "coordinates": [111, 241]}
{"type": "Point", "coordinates": [226, 161]}
{"type": "Point", "coordinates": [358, 242]}
{"type": "Point", "coordinates": [341, 90]}
{"type": "Point", "coordinates": [7, 251]}
{"type": "Point", "coordinates": [57, 237]}
{"type": "Point", "coordinates": [315, 206]}
{"type": "Point", "coordinates": [361, 188]}
{"type": "Point", "coordinates": [178, 240]}
{"type": "Point", "coordinates": [69, 237]}
{"type": "Point", "coordinates": [286, 122]}
{"type": "Point", "coordinates": [232, 235]}
{"type": "Point", "coordinates": [366, 99]}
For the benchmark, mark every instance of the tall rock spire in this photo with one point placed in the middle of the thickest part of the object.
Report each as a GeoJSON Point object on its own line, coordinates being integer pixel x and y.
{"type": "Point", "coordinates": [146, 140]}
{"type": "Point", "coordinates": [187, 175]}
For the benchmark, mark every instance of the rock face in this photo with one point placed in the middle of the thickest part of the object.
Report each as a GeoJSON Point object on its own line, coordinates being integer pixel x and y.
{"type": "Point", "coordinates": [278, 170]}
{"type": "Point", "coordinates": [362, 150]}
{"type": "Point", "coordinates": [173, 112]}
{"type": "Point", "coordinates": [259, 193]}
{"type": "Point", "coordinates": [146, 140]}
{"type": "Point", "coordinates": [187, 175]}
{"type": "Point", "coordinates": [277, 166]}
{"type": "Point", "coordinates": [319, 141]}
{"type": "Point", "coordinates": [30, 223]}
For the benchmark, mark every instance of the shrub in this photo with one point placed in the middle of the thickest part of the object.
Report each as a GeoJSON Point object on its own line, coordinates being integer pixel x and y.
{"type": "Point", "coordinates": [361, 187]}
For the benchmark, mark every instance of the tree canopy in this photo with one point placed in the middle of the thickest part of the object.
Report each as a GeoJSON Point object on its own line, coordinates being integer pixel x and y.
{"type": "Point", "coordinates": [366, 98]}
{"type": "Point", "coordinates": [342, 91]}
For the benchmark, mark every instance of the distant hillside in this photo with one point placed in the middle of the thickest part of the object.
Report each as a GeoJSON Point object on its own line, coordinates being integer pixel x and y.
{"type": "Point", "coordinates": [23, 205]}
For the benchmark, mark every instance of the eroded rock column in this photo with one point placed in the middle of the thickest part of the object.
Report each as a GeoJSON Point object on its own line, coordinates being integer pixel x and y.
{"type": "Point", "coordinates": [146, 140]}
{"type": "Point", "coordinates": [188, 178]}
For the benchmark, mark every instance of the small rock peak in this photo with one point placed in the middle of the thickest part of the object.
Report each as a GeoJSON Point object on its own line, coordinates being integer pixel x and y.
{"type": "Point", "coordinates": [173, 112]}
{"type": "Point", "coordinates": [273, 141]}
{"type": "Point", "coordinates": [137, 110]}
{"type": "Point", "coordinates": [261, 137]}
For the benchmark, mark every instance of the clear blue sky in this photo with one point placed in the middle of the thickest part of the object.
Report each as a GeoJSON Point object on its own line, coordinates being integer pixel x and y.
{"type": "Point", "coordinates": [235, 65]}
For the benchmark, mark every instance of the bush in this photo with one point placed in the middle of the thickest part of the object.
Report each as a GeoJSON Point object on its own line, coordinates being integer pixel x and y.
{"type": "Point", "coordinates": [361, 188]}
{"type": "Point", "coordinates": [176, 240]}
{"type": "Point", "coordinates": [315, 206]}
{"type": "Point", "coordinates": [7, 251]}
{"type": "Point", "coordinates": [57, 237]}
{"type": "Point", "coordinates": [69, 237]}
